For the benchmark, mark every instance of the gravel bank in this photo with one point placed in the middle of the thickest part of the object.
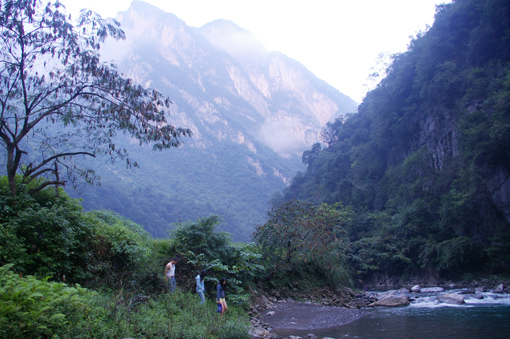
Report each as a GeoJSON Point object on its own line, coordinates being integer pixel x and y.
{"type": "Point", "coordinates": [307, 316]}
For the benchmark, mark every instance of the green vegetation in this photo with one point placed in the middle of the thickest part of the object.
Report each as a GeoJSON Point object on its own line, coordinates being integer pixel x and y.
{"type": "Point", "coordinates": [35, 308]}
{"type": "Point", "coordinates": [425, 163]}
{"type": "Point", "coordinates": [181, 187]}
{"type": "Point", "coordinates": [49, 245]}
{"type": "Point", "coordinates": [299, 234]}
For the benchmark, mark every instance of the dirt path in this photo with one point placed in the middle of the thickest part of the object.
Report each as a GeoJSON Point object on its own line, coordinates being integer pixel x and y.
{"type": "Point", "coordinates": [306, 316]}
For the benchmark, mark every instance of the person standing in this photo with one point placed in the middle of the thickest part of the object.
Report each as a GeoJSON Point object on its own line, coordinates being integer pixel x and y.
{"type": "Point", "coordinates": [170, 274]}
{"type": "Point", "coordinates": [220, 295]}
{"type": "Point", "coordinates": [200, 286]}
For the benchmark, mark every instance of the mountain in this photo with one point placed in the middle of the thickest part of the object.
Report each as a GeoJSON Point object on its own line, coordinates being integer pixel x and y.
{"type": "Point", "coordinates": [252, 113]}
{"type": "Point", "coordinates": [425, 163]}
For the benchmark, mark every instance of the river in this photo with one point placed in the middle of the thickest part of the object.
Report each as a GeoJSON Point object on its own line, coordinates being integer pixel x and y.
{"type": "Point", "coordinates": [424, 318]}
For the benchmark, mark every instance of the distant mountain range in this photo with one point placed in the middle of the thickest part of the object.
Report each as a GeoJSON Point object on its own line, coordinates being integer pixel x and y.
{"type": "Point", "coordinates": [252, 114]}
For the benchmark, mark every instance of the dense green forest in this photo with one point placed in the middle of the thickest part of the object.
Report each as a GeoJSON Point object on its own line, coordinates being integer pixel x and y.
{"type": "Point", "coordinates": [425, 162]}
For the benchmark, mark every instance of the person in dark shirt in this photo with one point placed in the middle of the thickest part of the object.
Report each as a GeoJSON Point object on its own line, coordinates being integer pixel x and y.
{"type": "Point", "coordinates": [220, 295]}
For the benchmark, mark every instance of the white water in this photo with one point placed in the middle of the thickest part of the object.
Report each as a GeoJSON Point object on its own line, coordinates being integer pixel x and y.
{"type": "Point", "coordinates": [429, 300]}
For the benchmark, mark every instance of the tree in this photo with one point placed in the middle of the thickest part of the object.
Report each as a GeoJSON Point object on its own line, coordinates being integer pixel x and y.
{"type": "Point", "coordinates": [298, 232]}
{"type": "Point", "coordinates": [310, 156]}
{"type": "Point", "coordinates": [58, 100]}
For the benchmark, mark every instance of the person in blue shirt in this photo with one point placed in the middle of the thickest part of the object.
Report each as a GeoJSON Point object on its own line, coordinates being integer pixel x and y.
{"type": "Point", "coordinates": [220, 295]}
{"type": "Point", "coordinates": [200, 286]}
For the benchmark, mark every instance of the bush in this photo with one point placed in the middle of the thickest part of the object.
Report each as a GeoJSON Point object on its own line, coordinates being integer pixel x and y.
{"type": "Point", "coordinates": [121, 251]}
{"type": "Point", "coordinates": [30, 307]}
{"type": "Point", "coordinates": [43, 234]}
{"type": "Point", "coordinates": [299, 234]}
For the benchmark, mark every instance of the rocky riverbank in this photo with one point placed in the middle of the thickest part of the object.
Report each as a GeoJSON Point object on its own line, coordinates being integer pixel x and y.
{"type": "Point", "coordinates": [318, 309]}
{"type": "Point", "coordinates": [326, 308]}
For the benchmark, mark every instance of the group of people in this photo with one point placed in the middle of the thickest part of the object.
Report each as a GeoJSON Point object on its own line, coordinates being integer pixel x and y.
{"type": "Point", "coordinates": [200, 280]}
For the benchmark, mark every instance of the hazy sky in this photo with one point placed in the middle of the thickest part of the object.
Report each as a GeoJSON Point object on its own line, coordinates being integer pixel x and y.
{"type": "Point", "coordinates": [338, 40]}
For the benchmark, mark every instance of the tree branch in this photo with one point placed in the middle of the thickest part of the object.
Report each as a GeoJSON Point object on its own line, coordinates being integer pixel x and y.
{"type": "Point", "coordinates": [31, 171]}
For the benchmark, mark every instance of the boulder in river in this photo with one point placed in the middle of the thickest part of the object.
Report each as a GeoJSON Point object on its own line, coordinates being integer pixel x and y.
{"type": "Point", "coordinates": [416, 288]}
{"type": "Point", "coordinates": [451, 298]}
{"type": "Point", "coordinates": [499, 289]}
{"type": "Point", "coordinates": [431, 289]}
{"type": "Point", "coordinates": [392, 298]}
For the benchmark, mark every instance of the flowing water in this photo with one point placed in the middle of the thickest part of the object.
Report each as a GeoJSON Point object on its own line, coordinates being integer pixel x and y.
{"type": "Point", "coordinates": [424, 318]}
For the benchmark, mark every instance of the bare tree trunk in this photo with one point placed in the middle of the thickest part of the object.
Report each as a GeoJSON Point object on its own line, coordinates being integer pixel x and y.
{"type": "Point", "coordinates": [11, 169]}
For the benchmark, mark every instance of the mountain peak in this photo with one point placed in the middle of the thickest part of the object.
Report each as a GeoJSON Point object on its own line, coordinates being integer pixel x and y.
{"type": "Point", "coordinates": [143, 11]}
{"type": "Point", "coordinates": [229, 37]}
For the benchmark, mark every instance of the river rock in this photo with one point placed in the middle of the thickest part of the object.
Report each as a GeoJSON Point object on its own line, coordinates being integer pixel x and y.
{"type": "Point", "coordinates": [392, 298]}
{"type": "Point", "coordinates": [499, 289]}
{"type": "Point", "coordinates": [451, 298]}
{"type": "Point", "coordinates": [311, 336]}
{"type": "Point", "coordinates": [270, 313]}
{"type": "Point", "coordinates": [259, 332]}
{"type": "Point", "coordinates": [415, 289]}
{"type": "Point", "coordinates": [477, 296]}
{"type": "Point", "coordinates": [431, 289]}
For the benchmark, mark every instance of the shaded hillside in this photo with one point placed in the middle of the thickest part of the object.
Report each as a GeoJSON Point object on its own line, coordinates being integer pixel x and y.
{"type": "Point", "coordinates": [426, 162]}
{"type": "Point", "coordinates": [252, 114]}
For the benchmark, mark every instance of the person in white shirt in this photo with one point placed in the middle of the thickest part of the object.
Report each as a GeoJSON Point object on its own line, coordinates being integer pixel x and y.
{"type": "Point", "coordinates": [170, 274]}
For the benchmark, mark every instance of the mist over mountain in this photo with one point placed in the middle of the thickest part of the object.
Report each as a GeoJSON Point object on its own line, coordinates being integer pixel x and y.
{"type": "Point", "coordinates": [252, 114]}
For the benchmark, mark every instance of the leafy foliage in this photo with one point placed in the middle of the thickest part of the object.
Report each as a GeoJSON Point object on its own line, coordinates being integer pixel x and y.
{"type": "Point", "coordinates": [30, 307]}
{"type": "Point", "coordinates": [119, 250]}
{"type": "Point", "coordinates": [48, 234]}
{"type": "Point", "coordinates": [35, 308]}
{"type": "Point", "coordinates": [43, 234]}
{"type": "Point", "coordinates": [298, 233]}
{"type": "Point", "coordinates": [204, 249]}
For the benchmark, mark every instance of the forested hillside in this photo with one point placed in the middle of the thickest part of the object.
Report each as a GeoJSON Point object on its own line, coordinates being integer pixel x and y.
{"type": "Point", "coordinates": [425, 163]}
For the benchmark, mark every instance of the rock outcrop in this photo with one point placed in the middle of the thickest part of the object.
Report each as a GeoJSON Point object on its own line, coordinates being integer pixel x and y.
{"type": "Point", "coordinates": [394, 298]}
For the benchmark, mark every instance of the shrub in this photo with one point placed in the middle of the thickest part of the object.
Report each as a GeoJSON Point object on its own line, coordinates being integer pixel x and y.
{"type": "Point", "coordinates": [43, 234]}
{"type": "Point", "coordinates": [30, 307]}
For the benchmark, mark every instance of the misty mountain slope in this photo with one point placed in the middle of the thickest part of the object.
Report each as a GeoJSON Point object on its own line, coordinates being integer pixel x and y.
{"type": "Point", "coordinates": [252, 113]}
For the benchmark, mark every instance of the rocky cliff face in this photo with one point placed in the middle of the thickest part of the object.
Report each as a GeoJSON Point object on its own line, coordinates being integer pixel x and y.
{"type": "Point", "coordinates": [221, 72]}
{"type": "Point", "coordinates": [438, 135]}
{"type": "Point", "coordinates": [498, 186]}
